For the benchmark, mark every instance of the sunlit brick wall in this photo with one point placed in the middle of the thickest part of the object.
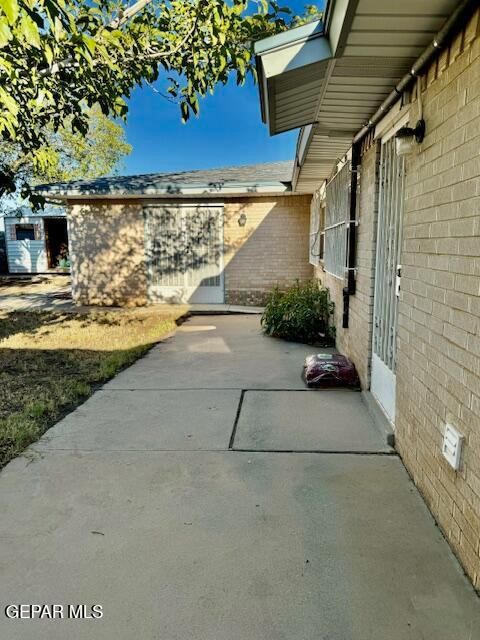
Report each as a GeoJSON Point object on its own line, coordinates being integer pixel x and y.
{"type": "Point", "coordinates": [270, 249]}
{"type": "Point", "coordinates": [438, 373]}
{"type": "Point", "coordinates": [107, 253]}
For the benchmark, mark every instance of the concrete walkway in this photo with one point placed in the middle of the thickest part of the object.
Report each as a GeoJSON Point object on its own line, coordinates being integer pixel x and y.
{"type": "Point", "coordinates": [204, 494]}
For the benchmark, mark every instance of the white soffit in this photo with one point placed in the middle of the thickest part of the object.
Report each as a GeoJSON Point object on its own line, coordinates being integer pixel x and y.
{"type": "Point", "coordinates": [292, 68]}
{"type": "Point", "coordinates": [374, 43]}
{"type": "Point", "coordinates": [385, 37]}
{"type": "Point", "coordinates": [320, 158]}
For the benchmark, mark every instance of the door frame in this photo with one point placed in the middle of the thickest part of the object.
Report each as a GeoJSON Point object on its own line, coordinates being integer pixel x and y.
{"type": "Point", "coordinates": [46, 236]}
{"type": "Point", "coordinates": [188, 293]}
{"type": "Point", "coordinates": [382, 378]}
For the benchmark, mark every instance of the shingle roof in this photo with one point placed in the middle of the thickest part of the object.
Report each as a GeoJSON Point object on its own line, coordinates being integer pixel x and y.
{"type": "Point", "coordinates": [273, 176]}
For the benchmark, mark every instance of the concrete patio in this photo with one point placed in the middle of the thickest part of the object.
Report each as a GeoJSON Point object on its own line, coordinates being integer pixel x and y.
{"type": "Point", "coordinates": [204, 493]}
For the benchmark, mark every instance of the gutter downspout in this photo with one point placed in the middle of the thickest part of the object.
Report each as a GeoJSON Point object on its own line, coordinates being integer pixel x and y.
{"type": "Point", "coordinates": [351, 287]}
{"type": "Point", "coordinates": [461, 12]}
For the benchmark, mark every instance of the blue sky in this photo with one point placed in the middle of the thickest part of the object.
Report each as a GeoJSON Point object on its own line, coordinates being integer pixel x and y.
{"type": "Point", "coordinates": [228, 131]}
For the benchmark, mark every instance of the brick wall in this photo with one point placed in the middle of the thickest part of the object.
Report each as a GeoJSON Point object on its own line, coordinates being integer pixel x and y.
{"type": "Point", "coordinates": [355, 342]}
{"type": "Point", "coordinates": [438, 372]}
{"type": "Point", "coordinates": [108, 256]}
{"type": "Point", "coordinates": [107, 253]}
{"type": "Point", "coordinates": [272, 247]}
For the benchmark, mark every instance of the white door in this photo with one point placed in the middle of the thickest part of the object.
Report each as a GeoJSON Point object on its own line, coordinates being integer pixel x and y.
{"type": "Point", "coordinates": [387, 277]}
{"type": "Point", "coordinates": [184, 252]}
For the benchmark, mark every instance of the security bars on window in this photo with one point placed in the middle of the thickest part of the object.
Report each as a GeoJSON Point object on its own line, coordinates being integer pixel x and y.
{"type": "Point", "coordinates": [336, 222]}
{"type": "Point", "coordinates": [317, 229]}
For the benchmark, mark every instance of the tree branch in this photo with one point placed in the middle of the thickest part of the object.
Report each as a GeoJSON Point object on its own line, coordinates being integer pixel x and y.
{"type": "Point", "coordinates": [176, 49]}
{"type": "Point", "coordinates": [123, 17]}
{"type": "Point", "coordinates": [128, 13]}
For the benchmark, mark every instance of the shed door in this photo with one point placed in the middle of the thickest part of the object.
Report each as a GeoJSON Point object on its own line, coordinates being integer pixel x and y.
{"type": "Point", "coordinates": [184, 249]}
{"type": "Point", "coordinates": [387, 277]}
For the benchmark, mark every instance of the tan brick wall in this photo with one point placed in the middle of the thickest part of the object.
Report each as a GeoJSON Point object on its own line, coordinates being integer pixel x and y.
{"type": "Point", "coordinates": [108, 259]}
{"type": "Point", "coordinates": [107, 252]}
{"type": "Point", "coordinates": [438, 372]}
{"type": "Point", "coordinates": [355, 342]}
{"type": "Point", "coordinates": [272, 247]}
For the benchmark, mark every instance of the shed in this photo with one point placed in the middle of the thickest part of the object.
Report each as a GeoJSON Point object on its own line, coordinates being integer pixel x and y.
{"type": "Point", "coordinates": [37, 243]}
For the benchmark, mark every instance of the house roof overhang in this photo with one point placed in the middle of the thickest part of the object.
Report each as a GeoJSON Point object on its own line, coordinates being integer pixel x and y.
{"type": "Point", "coordinates": [373, 45]}
{"type": "Point", "coordinates": [291, 67]}
{"type": "Point", "coordinates": [197, 192]}
{"type": "Point", "coordinates": [242, 180]}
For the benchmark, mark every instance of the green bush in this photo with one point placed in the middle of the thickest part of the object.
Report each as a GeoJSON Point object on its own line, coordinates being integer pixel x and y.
{"type": "Point", "coordinates": [301, 313]}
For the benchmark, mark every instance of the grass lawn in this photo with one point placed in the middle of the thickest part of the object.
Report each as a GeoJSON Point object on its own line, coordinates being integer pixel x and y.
{"type": "Point", "coordinates": [51, 362]}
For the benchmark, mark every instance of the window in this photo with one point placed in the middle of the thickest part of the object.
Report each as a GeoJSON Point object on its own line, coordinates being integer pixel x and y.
{"type": "Point", "coordinates": [317, 228]}
{"type": "Point", "coordinates": [25, 232]}
{"type": "Point", "coordinates": [337, 216]}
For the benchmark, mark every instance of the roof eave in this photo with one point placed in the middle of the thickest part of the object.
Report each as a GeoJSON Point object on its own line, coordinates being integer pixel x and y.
{"type": "Point", "coordinates": [288, 53]}
{"type": "Point", "coordinates": [200, 191]}
{"type": "Point", "coordinates": [370, 67]}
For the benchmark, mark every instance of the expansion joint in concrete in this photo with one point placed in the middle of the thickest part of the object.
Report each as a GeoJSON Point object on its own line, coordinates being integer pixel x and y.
{"type": "Point", "coordinates": [237, 417]}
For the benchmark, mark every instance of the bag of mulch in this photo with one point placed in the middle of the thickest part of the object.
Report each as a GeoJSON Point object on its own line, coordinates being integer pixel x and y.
{"type": "Point", "coordinates": [330, 370]}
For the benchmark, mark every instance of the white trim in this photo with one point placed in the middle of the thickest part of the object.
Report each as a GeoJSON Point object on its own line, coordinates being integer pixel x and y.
{"type": "Point", "coordinates": [382, 387]}
{"type": "Point", "coordinates": [173, 196]}
{"type": "Point", "coordinates": [303, 142]}
{"type": "Point", "coordinates": [395, 119]}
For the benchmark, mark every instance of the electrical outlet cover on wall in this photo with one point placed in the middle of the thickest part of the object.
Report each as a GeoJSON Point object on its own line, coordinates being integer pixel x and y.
{"type": "Point", "coordinates": [452, 446]}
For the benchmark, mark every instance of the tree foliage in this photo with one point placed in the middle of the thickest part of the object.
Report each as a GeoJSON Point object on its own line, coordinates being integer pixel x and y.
{"type": "Point", "coordinates": [58, 58]}
{"type": "Point", "coordinates": [70, 155]}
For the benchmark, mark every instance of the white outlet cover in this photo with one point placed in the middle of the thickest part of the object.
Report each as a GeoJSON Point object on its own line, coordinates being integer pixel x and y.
{"type": "Point", "coordinates": [452, 446]}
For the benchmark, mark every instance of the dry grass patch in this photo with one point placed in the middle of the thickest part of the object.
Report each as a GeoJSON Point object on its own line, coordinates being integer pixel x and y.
{"type": "Point", "coordinates": [51, 362]}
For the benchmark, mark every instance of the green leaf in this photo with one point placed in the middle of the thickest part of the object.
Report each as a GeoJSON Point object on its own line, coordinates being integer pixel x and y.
{"type": "Point", "coordinates": [58, 30]}
{"type": "Point", "coordinates": [29, 31]}
{"type": "Point", "coordinates": [6, 65]}
{"type": "Point", "coordinates": [121, 107]}
{"type": "Point", "coordinates": [48, 54]}
{"type": "Point", "coordinates": [90, 42]}
{"type": "Point", "coordinates": [6, 124]}
{"type": "Point", "coordinates": [185, 112]}
{"type": "Point", "coordinates": [241, 66]}
{"type": "Point", "coordinates": [10, 9]}
{"type": "Point", "coordinates": [8, 102]}
{"type": "Point", "coordinates": [5, 32]}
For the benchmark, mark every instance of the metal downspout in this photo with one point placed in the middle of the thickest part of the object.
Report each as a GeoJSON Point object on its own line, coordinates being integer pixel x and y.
{"type": "Point", "coordinates": [351, 287]}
